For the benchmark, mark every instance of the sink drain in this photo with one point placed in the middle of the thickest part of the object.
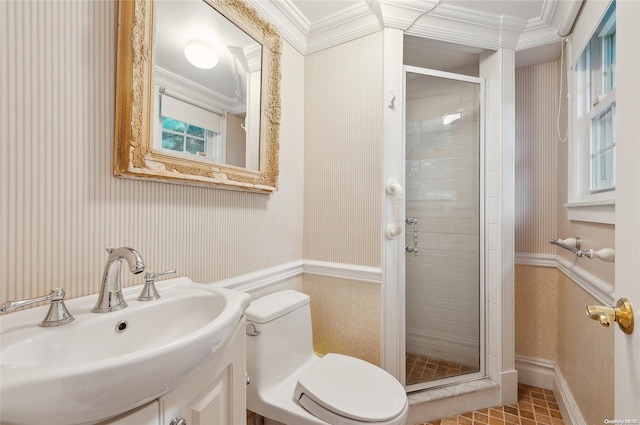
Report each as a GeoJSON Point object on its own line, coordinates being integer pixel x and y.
{"type": "Point", "coordinates": [121, 326]}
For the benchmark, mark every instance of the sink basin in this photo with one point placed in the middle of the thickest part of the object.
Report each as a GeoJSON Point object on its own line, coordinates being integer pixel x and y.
{"type": "Point", "coordinates": [101, 365]}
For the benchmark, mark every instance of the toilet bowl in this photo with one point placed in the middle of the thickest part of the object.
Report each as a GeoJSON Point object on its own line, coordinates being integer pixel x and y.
{"type": "Point", "coordinates": [291, 384]}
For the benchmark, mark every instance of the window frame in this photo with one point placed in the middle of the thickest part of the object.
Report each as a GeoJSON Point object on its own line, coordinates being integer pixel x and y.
{"type": "Point", "coordinates": [215, 146]}
{"type": "Point", "coordinates": [583, 203]}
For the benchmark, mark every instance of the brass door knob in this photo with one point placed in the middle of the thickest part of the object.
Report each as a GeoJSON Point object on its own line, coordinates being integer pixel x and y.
{"type": "Point", "coordinates": [621, 313]}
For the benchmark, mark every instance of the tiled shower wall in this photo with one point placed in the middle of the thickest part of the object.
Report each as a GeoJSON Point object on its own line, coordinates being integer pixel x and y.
{"type": "Point", "coordinates": [61, 204]}
{"type": "Point", "coordinates": [442, 181]}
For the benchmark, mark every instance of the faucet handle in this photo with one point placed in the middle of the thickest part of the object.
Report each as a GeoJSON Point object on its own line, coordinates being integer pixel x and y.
{"type": "Point", "coordinates": [57, 314]}
{"type": "Point", "coordinates": [149, 292]}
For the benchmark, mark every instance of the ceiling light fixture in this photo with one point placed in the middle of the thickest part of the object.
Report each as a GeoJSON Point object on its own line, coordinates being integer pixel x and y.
{"type": "Point", "coordinates": [201, 54]}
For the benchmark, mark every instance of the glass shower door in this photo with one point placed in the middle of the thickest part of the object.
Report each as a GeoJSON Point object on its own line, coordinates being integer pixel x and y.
{"type": "Point", "coordinates": [444, 233]}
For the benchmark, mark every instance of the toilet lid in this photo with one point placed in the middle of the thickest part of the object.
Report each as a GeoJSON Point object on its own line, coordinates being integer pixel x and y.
{"type": "Point", "coordinates": [352, 388]}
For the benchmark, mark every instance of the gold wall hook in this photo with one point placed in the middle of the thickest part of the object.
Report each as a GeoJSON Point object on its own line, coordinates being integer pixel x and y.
{"type": "Point", "coordinates": [621, 313]}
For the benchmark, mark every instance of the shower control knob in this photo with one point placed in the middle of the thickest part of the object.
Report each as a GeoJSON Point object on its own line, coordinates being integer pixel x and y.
{"type": "Point", "coordinates": [176, 421]}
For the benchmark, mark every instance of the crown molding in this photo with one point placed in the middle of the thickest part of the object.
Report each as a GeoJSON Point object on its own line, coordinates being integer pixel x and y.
{"type": "Point", "coordinates": [287, 19]}
{"type": "Point", "coordinates": [349, 24]}
{"type": "Point", "coordinates": [197, 92]}
{"type": "Point", "coordinates": [422, 18]}
{"type": "Point", "coordinates": [452, 31]}
{"type": "Point", "coordinates": [400, 14]}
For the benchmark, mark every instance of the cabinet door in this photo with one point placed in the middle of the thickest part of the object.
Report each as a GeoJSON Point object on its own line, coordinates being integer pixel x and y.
{"type": "Point", "coordinates": [215, 394]}
{"type": "Point", "coordinates": [213, 406]}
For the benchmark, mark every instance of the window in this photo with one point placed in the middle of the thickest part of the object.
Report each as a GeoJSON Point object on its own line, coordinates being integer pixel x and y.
{"type": "Point", "coordinates": [594, 126]}
{"type": "Point", "coordinates": [603, 150]}
{"type": "Point", "coordinates": [187, 129]}
{"type": "Point", "coordinates": [183, 137]}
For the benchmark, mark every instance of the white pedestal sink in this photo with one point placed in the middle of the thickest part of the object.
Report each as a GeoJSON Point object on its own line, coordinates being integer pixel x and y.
{"type": "Point", "coordinates": [101, 365]}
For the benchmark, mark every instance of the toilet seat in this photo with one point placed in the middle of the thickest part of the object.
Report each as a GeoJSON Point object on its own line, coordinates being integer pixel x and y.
{"type": "Point", "coordinates": [343, 390]}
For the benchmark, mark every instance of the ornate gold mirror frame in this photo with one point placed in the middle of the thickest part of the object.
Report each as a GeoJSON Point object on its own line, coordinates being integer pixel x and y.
{"type": "Point", "coordinates": [135, 156]}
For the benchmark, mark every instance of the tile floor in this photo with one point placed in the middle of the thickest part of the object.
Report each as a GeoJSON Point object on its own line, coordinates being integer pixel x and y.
{"type": "Point", "coordinates": [421, 368]}
{"type": "Point", "coordinates": [535, 407]}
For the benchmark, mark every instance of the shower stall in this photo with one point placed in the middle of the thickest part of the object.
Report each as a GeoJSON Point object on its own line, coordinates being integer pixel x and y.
{"type": "Point", "coordinates": [444, 232]}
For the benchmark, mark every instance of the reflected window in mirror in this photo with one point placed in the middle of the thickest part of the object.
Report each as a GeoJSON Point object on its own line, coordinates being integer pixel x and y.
{"type": "Point", "coordinates": [186, 129]}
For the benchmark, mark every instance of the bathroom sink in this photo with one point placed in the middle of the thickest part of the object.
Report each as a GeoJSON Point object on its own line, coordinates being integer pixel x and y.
{"type": "Point", "coordinates": [101, 365]}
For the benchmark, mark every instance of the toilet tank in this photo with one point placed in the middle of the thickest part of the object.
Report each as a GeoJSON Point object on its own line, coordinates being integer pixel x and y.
{"type": "Point", "coordinates": [283, 341]}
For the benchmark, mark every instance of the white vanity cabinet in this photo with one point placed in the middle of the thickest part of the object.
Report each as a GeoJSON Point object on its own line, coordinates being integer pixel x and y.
{"type": "Point", "coordinates": [214, 395]}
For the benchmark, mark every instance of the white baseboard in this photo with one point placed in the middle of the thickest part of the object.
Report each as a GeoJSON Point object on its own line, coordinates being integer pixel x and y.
{"type": "Point", "coordinates": [543, 373]}
{"type": "Point", "coordinates": [568, 407]}
{"type": "Point", "coordinates": [535, 372]}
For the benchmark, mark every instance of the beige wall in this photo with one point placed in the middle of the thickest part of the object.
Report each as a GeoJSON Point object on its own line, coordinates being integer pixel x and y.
{"type": "Point", "coordinates": [536, 311]}
{"type": "Point", "coordinates": [343, 180]}
{"type": "Point", "coordinates": [61, 204]}
{"type": "Point", "coordinates": [550, 307]}
{"type": "Point", "coordinates": [343, 142]}
{"type": "Point", "coordinates": [536, 166]}
{"type": "Point", "coordinates": [236, 141]}
{"type": "Point", "coordinates": [551, 324]}
{"type": "Point", "coordinates": [346, 316]}
{"type": "Point", "coordinates": [585, 353]}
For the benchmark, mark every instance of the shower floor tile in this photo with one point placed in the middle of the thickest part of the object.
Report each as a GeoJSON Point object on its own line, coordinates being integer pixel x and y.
{"type": "Point", "coordinates": [535, 407]}
{"type": "Point", "coordinates": [421, 368]}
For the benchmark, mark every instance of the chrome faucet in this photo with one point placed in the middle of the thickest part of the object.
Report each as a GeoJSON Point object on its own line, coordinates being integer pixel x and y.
{"type": "Point", "coordinates": [111, 298]}
{"type": "Point", "coordinates": [57, 314]}
{"type": "Point", "coordinates": [149, 292]}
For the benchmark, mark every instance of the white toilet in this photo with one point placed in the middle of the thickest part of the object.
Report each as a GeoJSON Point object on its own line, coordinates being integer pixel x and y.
{"type": "Point", "coordinates": [290, 384]}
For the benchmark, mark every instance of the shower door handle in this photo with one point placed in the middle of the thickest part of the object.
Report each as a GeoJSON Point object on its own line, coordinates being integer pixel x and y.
{"type": "Point", "coordinates": [413, 248]}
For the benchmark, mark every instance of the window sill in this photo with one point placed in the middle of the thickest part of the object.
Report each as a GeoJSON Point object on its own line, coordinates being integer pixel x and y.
{"type": "Point", "coordinates": [592, 211]}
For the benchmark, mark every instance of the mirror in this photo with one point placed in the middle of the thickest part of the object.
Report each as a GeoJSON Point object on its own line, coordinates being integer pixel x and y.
{"type": "Point", "coordinates": [186, 122]}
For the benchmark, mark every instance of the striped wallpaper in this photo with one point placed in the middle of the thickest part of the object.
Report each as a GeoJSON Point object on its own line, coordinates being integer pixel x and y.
{"type": "Point", "coordinates": [536, 167]}
{"type": "Point", "coordinates": [343, 153]}
{"type": "Point", "coordinates": [61, 205]}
